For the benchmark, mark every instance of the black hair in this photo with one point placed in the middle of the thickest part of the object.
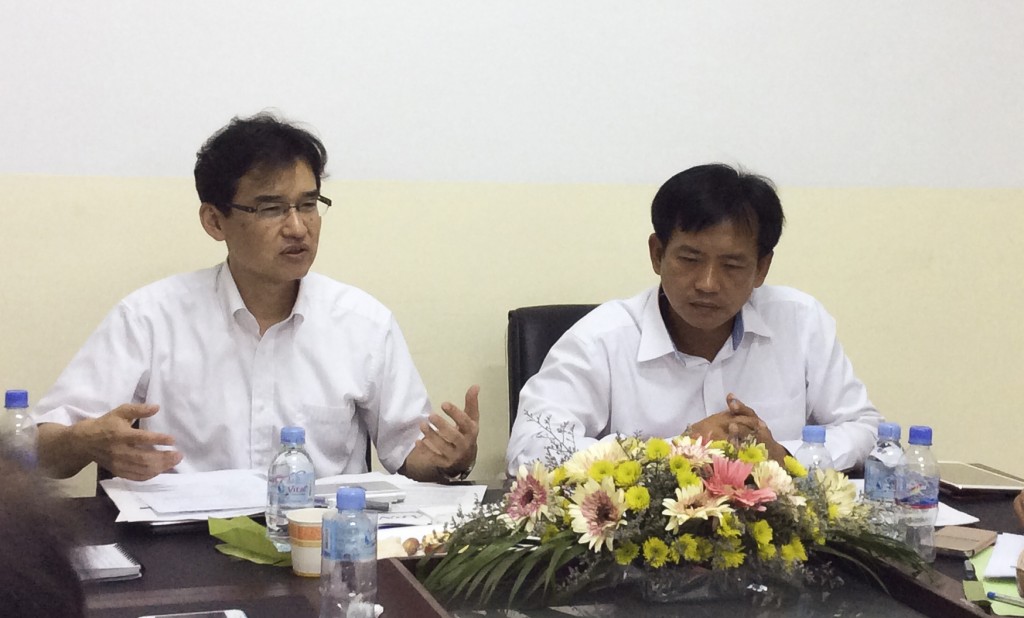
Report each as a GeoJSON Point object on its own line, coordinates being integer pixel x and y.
{"type": "Point", "coordinates": [262, 141]}
{"type": "Point", "coordinates": [706, 195]}
{"type": "Point", "coordinates": [37, 576]}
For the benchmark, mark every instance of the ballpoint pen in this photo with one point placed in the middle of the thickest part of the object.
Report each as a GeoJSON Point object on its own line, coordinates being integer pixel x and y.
{"type": "Point", "coordinates": [1005, 598]}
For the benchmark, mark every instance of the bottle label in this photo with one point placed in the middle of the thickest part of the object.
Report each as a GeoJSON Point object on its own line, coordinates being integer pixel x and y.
{"type": "Point", "coordinates": [916, 491]}
{"type": "Point", "coordinates": [295, 490]}
{"type": "Point", "coordinates": [350, 540]}
{"type": "Point", "coordinates": [879, 482]}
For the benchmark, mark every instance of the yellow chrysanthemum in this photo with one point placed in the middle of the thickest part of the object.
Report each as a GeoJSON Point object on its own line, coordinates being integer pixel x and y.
{"type": "Point", "coordinates": [678, 463]}
{"type": "Point", "coordinates": [655, 552]}
{"type": "Point", "coordinates": [558, 476]}
{"type": "Point", "coordinates": [657, 449]}
{"type": "Point", "coordinates": [728, 526]}
{"type": "Point", "coordinates": [767, 552]}
{"type": "Point", "coordinates": [638, 498]}
{"type": "Point", "coordinates": [753, 454]}
{"type": "Point", "coordinates": [693, 548]}
{"type": "Point", "coordinates": [729, 554]}
{"type": "Point", "coordinates": [599, 470]}
{"type": "Point", "coordinates": [761, 532]}
{"type": "Point", "coordinates": [626, 553]}
{"type": "Point", "coordinates": [724, 446]}
{"type": "Point", "coordinates": [794, 467]}
{"type": "Point", "coordinates": [793, 551]}
{"type": "Point", "coordinates": [687, 478]}
{"type": "Point", "coordinates": [627, 473]}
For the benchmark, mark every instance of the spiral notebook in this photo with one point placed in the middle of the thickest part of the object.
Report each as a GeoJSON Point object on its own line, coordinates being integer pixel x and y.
{"type": "Point", "coordinates": [108, 562]}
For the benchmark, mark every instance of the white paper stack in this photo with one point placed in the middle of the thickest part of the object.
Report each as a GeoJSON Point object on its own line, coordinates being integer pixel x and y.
{"type": "Point", "coordinates": [189, 497]}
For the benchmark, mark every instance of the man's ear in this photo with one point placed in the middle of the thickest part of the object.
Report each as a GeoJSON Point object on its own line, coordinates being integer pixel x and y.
{"type": "Point", "coordinates": [763, 264]}
{"type": "Point", "coordinates": [212, 220]}
{"type": "Point", "coordinates": [657, 251]}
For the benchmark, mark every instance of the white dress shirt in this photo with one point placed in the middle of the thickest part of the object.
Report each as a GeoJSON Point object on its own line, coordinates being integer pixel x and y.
{"type": "Point", "coordinates": [617, 371]}
{"type": "Point", "coordinates": [338, 366]}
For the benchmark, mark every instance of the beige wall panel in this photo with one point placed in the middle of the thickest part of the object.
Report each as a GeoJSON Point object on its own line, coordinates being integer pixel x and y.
{"type": "Point", "coordinates": [925, 284]}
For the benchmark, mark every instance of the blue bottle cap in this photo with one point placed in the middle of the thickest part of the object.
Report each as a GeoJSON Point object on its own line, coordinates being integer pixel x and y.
{"type": "Point", "coordinates": [814, 433]}
{"type": "Point", "coordinates": [293, 435]}
{"type": "Point", "coordinates": [921, 435]}
{"type": "Point", "coordinates": [889, 431]}
{"type": "Point", "coordinates": [16, 399]}
{"type": "Point", "coordinates": [351, 498]}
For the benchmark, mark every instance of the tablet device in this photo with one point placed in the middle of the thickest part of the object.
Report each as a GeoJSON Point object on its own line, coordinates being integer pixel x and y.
{"type": "Point", "coordinates": [962, 477]}
{"type": "Point", "coordinates": [376, 491]}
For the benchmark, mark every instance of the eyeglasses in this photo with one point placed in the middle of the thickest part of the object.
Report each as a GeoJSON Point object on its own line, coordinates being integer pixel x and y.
{"type": "Point", "coordinates": [279, 210]}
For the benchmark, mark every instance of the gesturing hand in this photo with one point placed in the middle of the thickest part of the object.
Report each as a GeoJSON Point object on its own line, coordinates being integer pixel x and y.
{"type": "Point", "coordinates": [131, 453]}
{"type": "Point", "coordinates": [452, 445]}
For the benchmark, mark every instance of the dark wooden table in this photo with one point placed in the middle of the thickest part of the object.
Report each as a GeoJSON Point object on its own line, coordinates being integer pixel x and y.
{"type": "Point", "coordinates": [183, 572]}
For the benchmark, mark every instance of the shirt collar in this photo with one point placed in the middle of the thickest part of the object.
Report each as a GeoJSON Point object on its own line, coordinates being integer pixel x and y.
{"type": "Point", "coordinates": [227, 291]}
{"type": "Point", "coordinates": [235, 307]}
{"type": "Point", "coordinates": [655, 340]}
{"type": "Point", "coordinates": [750, 321]}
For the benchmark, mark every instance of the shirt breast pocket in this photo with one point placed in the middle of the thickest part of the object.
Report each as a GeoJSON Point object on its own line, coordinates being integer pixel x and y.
{"type": "Point", "coordinates": [331, 430]}
{"type": "Point", "coordinates": [785, 417]}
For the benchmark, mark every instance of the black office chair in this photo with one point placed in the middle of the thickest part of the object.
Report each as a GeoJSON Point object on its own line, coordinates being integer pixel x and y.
{"type": "Point", "coordinates": [531, 333]}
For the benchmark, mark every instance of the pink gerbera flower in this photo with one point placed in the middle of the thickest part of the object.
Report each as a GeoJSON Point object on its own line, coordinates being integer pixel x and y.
{"type": "Point", "coordinates": [530, 497]}
{"type": "Point", "coordinates": [729, 479]}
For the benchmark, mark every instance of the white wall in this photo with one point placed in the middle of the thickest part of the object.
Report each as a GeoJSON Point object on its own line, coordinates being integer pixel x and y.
{"type": "Point", "coordinates": [916, 93]}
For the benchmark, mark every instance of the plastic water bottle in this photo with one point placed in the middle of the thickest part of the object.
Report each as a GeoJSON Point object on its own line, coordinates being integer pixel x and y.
{"type": "Point", "coordinates": [917, 492]}
{"type": "Point", "coordinates": [812, 453]}
{"type": "Point", "coordinates": [348, 566]}
{"type": "Point", "coordinates": [18, 430]}
{"type": "Point", "coordinates": [290, 484]}
{"type": "Point", "coordinates": [880, 479]}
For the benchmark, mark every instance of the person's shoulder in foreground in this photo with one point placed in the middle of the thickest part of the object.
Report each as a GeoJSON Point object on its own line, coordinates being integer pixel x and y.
{"type": "Point", "coordinates": [259, 184]}
{"type": "Point", "coordinates": [709, 339]}
{"type": "Point", "coordinates": [37, 576]}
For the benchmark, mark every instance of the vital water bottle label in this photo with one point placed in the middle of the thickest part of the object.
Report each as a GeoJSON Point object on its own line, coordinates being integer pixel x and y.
{"type": "Point", "coordinates": [295, 490]}
{"type": "Point", "coordinates": [917, 491]}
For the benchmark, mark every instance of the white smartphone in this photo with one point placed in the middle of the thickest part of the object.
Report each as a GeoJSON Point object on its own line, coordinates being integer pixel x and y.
{"type": "Point", "coordinates": [221, 613]}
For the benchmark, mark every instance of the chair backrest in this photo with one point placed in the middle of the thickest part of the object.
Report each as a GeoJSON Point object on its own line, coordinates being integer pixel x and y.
{"type": "Point", "coordinates": [531, 333]}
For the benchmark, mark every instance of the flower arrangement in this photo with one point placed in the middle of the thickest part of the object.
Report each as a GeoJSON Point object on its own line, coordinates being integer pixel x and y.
{"type": "Point", "coordinates": [656, 504]}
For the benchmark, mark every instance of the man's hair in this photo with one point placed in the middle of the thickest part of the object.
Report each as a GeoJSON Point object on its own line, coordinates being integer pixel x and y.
{"type": "Point", "coordinates": [36, 573]}
{"type": "Point", "coordinates": [706, 195]}
{"type": "Point", "coordinates": [260, 142]}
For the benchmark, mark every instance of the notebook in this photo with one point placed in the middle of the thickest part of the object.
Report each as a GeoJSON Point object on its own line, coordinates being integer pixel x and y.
{"type": "Point", "coordinates": [108, 562]}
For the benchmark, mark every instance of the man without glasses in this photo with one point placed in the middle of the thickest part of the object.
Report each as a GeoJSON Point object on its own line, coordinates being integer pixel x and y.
{"type": "Point", "coordinates": [710, 349]}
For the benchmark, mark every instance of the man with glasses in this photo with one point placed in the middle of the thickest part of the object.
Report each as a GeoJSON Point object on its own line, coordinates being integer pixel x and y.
{"type": "Point", "coordinates": [210, 365]}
